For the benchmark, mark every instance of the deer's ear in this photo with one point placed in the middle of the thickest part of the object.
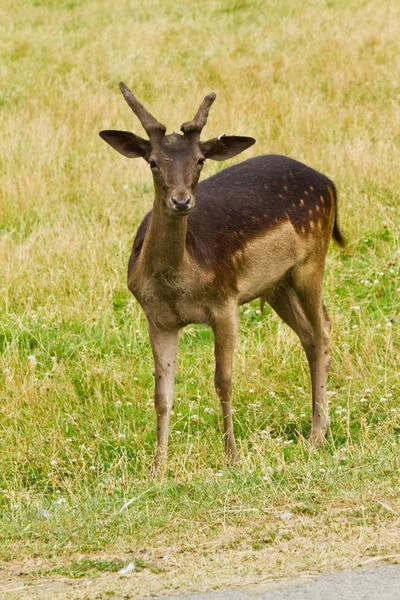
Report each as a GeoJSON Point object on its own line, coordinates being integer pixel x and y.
{"type": "Point", "coordinates": [225, 146]}
{"type": "Point", "coordinates": [126, 143]}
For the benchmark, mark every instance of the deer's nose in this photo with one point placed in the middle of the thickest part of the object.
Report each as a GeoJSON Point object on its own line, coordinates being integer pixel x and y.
{"type": "Point", "coordinates": [181, 205]}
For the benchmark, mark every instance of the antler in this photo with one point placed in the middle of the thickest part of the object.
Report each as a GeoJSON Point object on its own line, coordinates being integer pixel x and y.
{"type": "Point", "coordinates": [200, 119]}
{"type": "Point", "coordinates": [150, 124]}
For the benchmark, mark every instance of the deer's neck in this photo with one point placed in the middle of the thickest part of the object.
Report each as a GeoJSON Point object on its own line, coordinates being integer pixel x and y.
{"type": "Point", "coordinates": [165, 241]}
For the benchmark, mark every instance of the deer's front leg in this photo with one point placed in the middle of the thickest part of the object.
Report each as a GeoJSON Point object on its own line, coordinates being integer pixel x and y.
{"type": "Point", "coordinates": [225, 334]}
{"type": "Point", "coordinates": [165, 348]}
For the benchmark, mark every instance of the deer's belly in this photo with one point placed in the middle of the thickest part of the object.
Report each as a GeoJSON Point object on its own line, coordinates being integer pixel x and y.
{"type": "Point", "coordinates": [267, 261]}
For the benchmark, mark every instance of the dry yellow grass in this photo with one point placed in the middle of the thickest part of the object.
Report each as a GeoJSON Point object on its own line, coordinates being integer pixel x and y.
{"type": "Point", "coordinates": [318, 81]}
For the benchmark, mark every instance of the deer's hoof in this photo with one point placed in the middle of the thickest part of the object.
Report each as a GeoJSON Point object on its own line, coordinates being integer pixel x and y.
{"type": "Point", "coordinates": [232, 458]}
{"type": "Point", "coordinates": [317, 437]}
{"type": "Point", "coordinates": [158, 469]}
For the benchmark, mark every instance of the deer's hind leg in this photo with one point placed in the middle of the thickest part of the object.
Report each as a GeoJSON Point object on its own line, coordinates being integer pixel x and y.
{"type": "Point", "coordinates": [307, 281]}
{"type": "Point", "coordinates": [300, 305]}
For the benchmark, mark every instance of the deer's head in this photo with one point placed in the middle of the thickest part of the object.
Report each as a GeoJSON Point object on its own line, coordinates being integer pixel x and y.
{"type": "Point", "coordinates": [175, 160]}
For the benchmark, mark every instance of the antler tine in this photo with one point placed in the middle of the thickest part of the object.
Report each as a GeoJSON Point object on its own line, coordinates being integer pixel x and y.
{"type": "Point", "coordinates": [150, 124]}
{"type": "Point", "coordinates": [200, 119]}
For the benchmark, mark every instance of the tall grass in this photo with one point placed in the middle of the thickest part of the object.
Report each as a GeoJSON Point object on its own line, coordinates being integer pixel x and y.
{"type": "Point", "coordinates": [318, 81]}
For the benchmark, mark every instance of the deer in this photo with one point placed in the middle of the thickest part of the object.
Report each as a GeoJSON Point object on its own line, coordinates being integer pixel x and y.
{"type": "Point", "coordinates": [259, 229]}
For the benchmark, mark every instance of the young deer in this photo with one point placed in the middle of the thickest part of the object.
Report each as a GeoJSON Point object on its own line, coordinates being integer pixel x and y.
{"type": "Point", "coordinates": [259, 229]}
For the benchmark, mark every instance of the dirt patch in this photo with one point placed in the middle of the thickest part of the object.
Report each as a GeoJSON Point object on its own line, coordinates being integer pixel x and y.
{"type": "Point", "coordinates": [226, 563]}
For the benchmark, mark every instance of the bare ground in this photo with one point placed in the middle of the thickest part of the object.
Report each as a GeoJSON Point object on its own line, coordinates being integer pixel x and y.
{"type": "Point", "coordinates": [305, 549]}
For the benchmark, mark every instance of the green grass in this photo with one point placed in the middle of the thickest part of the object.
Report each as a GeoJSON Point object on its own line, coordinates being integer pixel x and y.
{"type": "Point", "coordinates": [85, 567]}
{"type": "Point", "coordinates": [317, 81]}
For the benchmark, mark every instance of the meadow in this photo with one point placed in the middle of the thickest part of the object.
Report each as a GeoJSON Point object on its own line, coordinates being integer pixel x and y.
{"type": "Point", "coordinates": [318, 81]}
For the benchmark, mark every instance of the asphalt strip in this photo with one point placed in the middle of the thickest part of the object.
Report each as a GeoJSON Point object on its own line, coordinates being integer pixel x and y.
{"type": "Point", "coordinates": [379, 583]}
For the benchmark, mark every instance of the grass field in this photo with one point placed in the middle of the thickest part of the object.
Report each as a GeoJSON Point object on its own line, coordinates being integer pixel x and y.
{"type": "Point", "coordinates": [318, 81]}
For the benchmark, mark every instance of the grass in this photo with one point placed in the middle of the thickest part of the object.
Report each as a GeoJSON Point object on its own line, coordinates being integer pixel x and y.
{"type": "Point", "coordinates": [317, 81]}
{"type": "Point", "coordinates": [84, 567]}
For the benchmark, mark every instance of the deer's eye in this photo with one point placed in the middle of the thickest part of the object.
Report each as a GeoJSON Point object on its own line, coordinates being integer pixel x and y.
{"type": "Point", "coordinates": [201, 161]}
{"type": "Point", "coordinates": [153, 164]}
